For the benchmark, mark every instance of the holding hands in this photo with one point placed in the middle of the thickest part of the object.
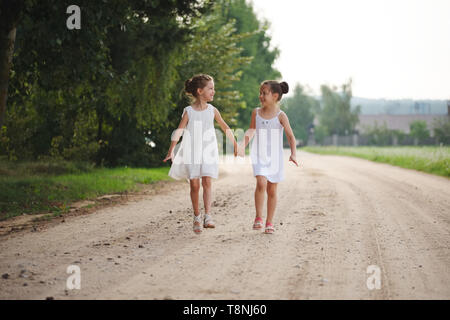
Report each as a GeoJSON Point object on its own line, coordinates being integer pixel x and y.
{"type": "Point", "coordinates": [235, 148]}
{"type": "Point", "coordinates": [241, 150]}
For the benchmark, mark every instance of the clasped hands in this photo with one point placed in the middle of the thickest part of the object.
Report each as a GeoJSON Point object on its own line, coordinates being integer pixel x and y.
{"type": "Point", "coordinates": [239, 149]}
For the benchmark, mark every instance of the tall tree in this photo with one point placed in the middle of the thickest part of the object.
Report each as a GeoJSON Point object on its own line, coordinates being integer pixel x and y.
{"type": "Point", "coordinates": [442, 130]}
{"type": "Point", "coordinates": [212, 49]}
{"type": "Point", "coordinates": [300, 110]}
{"type": "Point", "coordinates": [103, 75]}
{"type": "Point", "coordinates": [10, 13]}
{"type": "Point", "coordinates": [336, 113]}
{"type": "Point", "coordinates": [419, 131]}
{"type": "Point", "coordinates": [258, 46]}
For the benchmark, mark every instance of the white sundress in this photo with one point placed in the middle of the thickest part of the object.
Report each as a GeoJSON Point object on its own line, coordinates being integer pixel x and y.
{"type": "Point", "coordinates": [197, 155]}
{"type": "Point", "coordinates": [266, 150]}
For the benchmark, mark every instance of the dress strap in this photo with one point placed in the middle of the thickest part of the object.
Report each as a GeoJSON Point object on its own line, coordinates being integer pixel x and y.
{"type": "Point", "coordinates": [185, 110]}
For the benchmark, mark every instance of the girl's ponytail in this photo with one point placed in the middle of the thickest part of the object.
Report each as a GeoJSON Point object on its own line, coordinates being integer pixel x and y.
{"type": "Point", "coordinates": [188, 87]}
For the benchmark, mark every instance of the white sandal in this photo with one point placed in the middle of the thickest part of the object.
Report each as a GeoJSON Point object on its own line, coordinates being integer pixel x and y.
{"type": "Point", "coordinates": [208, 222]}
{"type": "Point", "coordinates": [197, 224]}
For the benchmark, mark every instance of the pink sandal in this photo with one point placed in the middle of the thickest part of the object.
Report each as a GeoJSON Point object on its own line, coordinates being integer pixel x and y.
{"type": "Point", "coordinates": [258, 224]}
{"type": "Point", "coordinates": [269, 228]}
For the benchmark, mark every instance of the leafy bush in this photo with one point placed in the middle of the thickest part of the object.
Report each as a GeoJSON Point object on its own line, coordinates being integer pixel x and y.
{"type": "Point", "coordinates": [442, 130]}
{"type": "Point", "coordinates": [418, 130]}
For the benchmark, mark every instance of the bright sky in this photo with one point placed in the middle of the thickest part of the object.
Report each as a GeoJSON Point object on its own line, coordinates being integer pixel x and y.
{"type": "Point", "coordinates": [391, 49]}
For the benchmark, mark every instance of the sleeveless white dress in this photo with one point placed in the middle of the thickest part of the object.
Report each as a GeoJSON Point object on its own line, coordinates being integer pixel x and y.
{"type": "Point", "coordinates": [197, 155]}
{"type": "Point", "coordinates": [266, 151]}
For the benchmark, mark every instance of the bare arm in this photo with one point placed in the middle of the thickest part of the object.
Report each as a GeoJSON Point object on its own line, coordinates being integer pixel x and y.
{"type": "Point", "coordinates": [225, 128]}
{"type": "Point", "coordinates": [248, 136]}
{"type": "Point", "coordinates": [290, 136]}
{"type": "Point", "coordinates": [176, 136]}
{"type": "Point", "coordinates": [250, 133]}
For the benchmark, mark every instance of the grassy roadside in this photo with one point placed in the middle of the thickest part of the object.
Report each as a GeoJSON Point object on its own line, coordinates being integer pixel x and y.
{"type": "Point", "coordinates": [435, 160]}
{"type": "Point", "coordinates": [49, 187]}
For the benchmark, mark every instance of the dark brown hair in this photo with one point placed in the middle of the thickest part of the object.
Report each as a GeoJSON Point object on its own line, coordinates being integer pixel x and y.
{"type": "Point", "coordinates": [276, 87]}
{"type": "Point", "coordinates": [198, 81]}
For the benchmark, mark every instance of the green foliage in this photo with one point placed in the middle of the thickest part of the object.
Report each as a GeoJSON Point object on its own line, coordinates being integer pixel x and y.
{"type": "Point", "coordinates": [336, 113]}
{"type": "Point", "coordinates": [257, 45]}
{"type": "Point", "coordinates": [442, 130]}
{"type": "Point", "coordinates": [95, 93]}
{"type": "Point", "coordinates": [51, 186]}
{"type": "Point", "coordinates": [320, 133]}
{"type": "Point", "coordinates": [378, 135]}
{"type": "Point", "coordinates": [435, 160]}
{"type": "Point", "coordinates": [43, 167]}
{"type": "Point", "coordinates": [418, 130]}
{"type": "Point", "coordinates": [213, 49]}
{"type": "Point", "coordinates": [110, 93]}
{"type": "Point", "coordinates": [300, 110]}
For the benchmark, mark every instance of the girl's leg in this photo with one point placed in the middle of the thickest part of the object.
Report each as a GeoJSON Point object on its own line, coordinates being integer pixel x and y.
{"type": "Point", "coordinates": [271, 200]}
{"type": "Point", "coordinates": [195, 188]}
{"type": "Point", "coordinates": [206, 184]}
{"type": "Point", "coordinates": [261, 185]}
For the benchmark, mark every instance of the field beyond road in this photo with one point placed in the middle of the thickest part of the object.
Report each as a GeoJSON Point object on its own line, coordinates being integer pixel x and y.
{"type": "Point", "coordinates": [435, 160]}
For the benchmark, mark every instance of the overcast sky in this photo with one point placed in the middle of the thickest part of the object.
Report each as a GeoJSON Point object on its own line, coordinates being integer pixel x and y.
{"type": "Point", "coordinates": [390, 48]}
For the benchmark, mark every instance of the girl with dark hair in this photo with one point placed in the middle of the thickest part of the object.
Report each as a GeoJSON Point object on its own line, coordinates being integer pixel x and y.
{"type": "Point", "coordinates": [267, 125]}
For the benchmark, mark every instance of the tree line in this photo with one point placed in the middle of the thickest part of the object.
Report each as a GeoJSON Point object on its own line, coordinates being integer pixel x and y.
{"type": "Point", "coordinates": [111, 92]}
{"type": "Point", "coordinates": [333, 114]}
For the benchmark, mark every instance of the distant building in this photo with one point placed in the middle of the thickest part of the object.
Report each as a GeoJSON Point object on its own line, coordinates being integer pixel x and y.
{"type": "Point", "coordinates": [400, 121]}
{"type": "Point", "coordinates": [396, 121]}
{"type": "Point", "coordinates": [402, 106]}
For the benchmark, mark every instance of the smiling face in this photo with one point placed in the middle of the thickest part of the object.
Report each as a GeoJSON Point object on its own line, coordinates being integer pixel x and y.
{"type": "Point", "coordinates": [266, 97]}
{"type": "Point", "coordinates": [206, 93]}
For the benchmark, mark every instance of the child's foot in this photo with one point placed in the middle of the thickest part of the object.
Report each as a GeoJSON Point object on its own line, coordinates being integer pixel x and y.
{"type": "Point", "coordinates": [269, 228]}
{"type": "Point", "coordinates": [208, 222]}
{"type": "Point", "coordinates": [197, 224]}
{"type": "Point", "coordinates": [258, 224]}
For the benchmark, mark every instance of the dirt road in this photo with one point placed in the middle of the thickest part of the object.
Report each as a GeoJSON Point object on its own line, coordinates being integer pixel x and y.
{"type": "Point", "coordinates": [336, 216]}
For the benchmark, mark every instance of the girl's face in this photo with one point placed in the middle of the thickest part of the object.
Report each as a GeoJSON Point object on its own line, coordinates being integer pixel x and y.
{"type": "Point", "coordinates": [207, 93]}
{"type": "Point", "coordinates": [266, 97]}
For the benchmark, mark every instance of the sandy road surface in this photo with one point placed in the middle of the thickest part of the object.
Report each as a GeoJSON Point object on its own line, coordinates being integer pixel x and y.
{"type": "Point", "coordinates": [335, 217]}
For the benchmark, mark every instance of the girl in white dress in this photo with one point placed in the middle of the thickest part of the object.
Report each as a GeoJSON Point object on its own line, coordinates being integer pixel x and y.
{"type": "Point", "coordinates": [267, 125]}
{"type": "Point", "coordinates": [197, 157]}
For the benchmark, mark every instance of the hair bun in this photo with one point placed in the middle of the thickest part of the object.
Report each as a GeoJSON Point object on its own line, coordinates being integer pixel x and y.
{"type": "Point", "coordinates": [284, 87]}
{"type": "Point", "coordinates": [188, 86]}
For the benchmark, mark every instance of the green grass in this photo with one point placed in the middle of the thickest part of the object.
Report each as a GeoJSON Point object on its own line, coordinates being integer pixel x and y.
{"type": "Point", "coordinates": [435, 160]}
{"type": "Point", "coordinates": [36, 188]}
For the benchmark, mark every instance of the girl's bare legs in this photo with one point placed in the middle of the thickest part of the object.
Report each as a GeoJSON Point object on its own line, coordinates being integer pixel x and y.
{"type": "Point", "coordinates": [261, 185]}
{"type": "Point", "coordinates": [271, 200]}
{"type": "Point", "coordinates": [206, 184]}
{"type": "Point", "coordinates": [195, 188]}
